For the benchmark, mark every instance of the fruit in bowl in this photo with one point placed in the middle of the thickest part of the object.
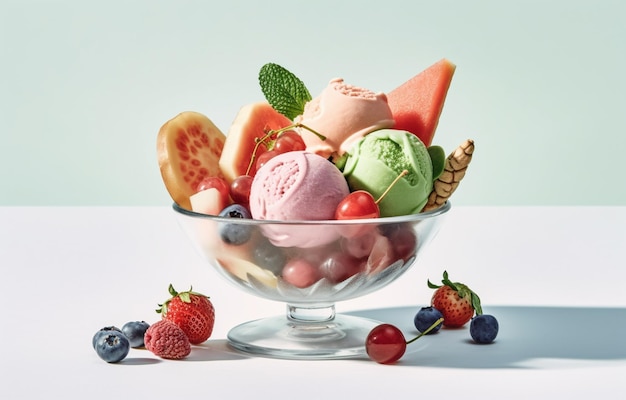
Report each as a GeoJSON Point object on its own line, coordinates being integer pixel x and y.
{"type": "Point", "coordinates": [288, 208]}
{"type": "Point", "coordinates": [340, 267]}
{"type": "Point", "coordinates": [310, 279]}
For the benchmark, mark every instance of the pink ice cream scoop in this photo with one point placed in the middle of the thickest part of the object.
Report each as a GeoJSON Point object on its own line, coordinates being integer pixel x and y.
{"type": "Point", "coordinates": [297, 186]}
{"type": "Point", "coordinates": [342, 113]}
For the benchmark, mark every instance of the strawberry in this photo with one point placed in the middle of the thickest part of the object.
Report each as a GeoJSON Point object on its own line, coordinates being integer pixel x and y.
{"type": "Point", "coordinates": [192, 312]}
{"type": "Point", "coordinates": [455, 301]}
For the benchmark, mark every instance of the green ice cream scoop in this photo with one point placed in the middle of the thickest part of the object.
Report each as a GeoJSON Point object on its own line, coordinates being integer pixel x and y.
{"type": "Point", "coordinates": [373, 163]}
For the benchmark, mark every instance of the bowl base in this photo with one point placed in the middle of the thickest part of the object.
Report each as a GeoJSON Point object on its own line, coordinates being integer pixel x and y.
{"type": "Point", "coordinates": [280, 337]}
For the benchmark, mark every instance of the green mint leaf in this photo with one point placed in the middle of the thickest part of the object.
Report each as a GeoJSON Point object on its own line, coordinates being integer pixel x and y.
{"type": "Point", "coordinates": [438, 160]}
{"type": "Point", "coordinates": [283, 90]}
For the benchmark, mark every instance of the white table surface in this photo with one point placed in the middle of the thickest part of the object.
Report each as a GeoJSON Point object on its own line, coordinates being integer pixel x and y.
{"type": "Point", "coordinates": [552, 275]}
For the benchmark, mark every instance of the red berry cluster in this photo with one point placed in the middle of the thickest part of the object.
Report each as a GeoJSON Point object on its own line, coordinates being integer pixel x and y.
{"type": "Point", "coordinates": [453, 305]}
{"type": "Point", "coordinates": [187, 319]}
{"type": "Point", "coordinates": [273, 144]}
{"type": "Point", "coordinates": [359, 204]}
{"type": "Point", "coordinates": [193, 312]}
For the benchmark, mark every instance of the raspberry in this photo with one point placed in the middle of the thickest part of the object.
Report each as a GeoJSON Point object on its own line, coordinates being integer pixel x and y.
{"type": "Point", "coordinates": [166, 340]}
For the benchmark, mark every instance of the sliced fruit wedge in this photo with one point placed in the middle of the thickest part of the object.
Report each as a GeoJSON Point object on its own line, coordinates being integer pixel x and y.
{"type": "Point", "coordinates": [244, 269]}
{"type": "Point", "coordinates": [189, 147]}
{"type": "Point", "coordinates": [209, 201]}
{"type": "Point", "coordinates": [251, 123]}
{"type": "Point", "coordinates": [416, 105]}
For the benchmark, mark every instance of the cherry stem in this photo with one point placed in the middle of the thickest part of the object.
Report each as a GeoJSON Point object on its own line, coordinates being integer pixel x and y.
{"type": "Point", "coordinates": [257, 143]}
{"type": "Point", "coordinates": [277, 132]}
{"type": "Point", "coordinates": [299, 125]}
{"type": "Point", "coordinates": [430, 328]}
{"type": "Point", "coordinates": [404, 172]}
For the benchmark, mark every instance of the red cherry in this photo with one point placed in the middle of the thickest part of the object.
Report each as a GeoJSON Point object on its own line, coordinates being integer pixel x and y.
{"type": "Point", "coordinates": [385, 344]}
{"type": "Point", "coordinates": [404, 241]}
{"type": "Point", "coordinates": [361, 204]}
{"type": "Point", "coordinates": [240, 190]}
{"type": "Point", "coordinates": [358, 204]}
{"type": "Point", "coordinates": [264, 158]}
{"type": "Point", "coordinates": [340, 266]}
{"type": "Point", "coordinates": [214, 182]}
{"type": "Point", "coordinates": [289, 141]}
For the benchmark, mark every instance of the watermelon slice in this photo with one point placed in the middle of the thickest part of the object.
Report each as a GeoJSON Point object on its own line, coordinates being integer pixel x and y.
{"type": "Point", "coordinates": [252, 122]}
{"type": "Point", "coordinates": [417, 104]}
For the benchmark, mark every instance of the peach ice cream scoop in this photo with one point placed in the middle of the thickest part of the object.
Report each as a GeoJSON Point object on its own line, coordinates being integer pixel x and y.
{"type": "Point", "coordinates": [342, 113]}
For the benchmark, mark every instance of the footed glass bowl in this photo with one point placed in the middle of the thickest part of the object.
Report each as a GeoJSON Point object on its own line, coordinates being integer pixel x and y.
{"type": "Point", "coordinates": [309, 265]}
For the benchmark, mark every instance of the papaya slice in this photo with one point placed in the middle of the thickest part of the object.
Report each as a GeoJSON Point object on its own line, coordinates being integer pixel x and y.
{"type": "Point", "coordinates": [251, 123]}
{"type": "Point", "coordinates": [416, 104]}
{"type": "Point", "coordinates": [188, 148]}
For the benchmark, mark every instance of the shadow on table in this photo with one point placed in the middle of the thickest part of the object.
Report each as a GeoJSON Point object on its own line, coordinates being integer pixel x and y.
{"type": "Point", "coordinates": [213, 350]}
{"type": "Point", "coordinates": [529, 337]}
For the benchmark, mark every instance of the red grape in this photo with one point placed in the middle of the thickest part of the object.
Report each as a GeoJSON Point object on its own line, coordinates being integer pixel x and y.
{"type": "Point", "coordinates": [300, 273]}
{"type": "Point", "coordinates": [340, 266]}
{"type": "Point", "coordinates": [404, 242]}
{"type": "Point", "coordinates": [289, 141]}
{"type": "Point", "coordinates": [240, 190]}
{"type": "Point", "coordinates": [385, 344]}
{"type": "Point", "coordinates": [262, 159]}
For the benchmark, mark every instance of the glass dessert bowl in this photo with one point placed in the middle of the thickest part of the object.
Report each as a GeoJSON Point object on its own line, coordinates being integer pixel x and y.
{"type": "Point", "coordinates": [309, 265]}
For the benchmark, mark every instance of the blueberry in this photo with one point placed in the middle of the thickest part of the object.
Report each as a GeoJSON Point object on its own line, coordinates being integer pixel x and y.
{"type": "Point", "coordinates": [112, 346]}
{"type": "Point", "coordinates": [233, 233]}
{"type": "Point", "coordinates": [425, 317]}
{"type": "Point", "coordinates": [103, 331]}
{"type": "Point", "coordinates": [484, 328]}
{"type": "Point", "coordinates": [134, 331]}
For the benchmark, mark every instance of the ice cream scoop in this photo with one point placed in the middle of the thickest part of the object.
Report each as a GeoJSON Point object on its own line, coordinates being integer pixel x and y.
{"type": "Point", "coordinates": [343, 114]}
{"type": "Point", "coordinates": [373, 163]}
{"type": "Point", "coordinates": [293, 186]}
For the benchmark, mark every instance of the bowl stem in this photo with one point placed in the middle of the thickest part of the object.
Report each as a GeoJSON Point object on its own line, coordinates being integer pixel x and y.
{"type": "Point", "coordinates": [310, 314]}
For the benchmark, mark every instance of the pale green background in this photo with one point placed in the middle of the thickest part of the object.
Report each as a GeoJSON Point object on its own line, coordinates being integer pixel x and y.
{"type": "Point", "coordinates": [85, 87]}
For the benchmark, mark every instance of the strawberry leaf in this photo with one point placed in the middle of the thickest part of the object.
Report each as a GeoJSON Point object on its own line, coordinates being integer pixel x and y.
{"type": "Point", "coordinates": [185, 297]}
{"type": "Point", "coordinates": [432, 285]}
{"type": "Point", "coordinates": [172, 291]}
{"type": "Point", "coordinates": [446, 281]}
{"type": "Point", "coordinates": [476, 303]}
{"type": "Point", "coordinates": [283, 90]}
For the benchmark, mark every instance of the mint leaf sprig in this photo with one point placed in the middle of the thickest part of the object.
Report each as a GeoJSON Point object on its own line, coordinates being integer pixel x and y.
{"type": "Point", "coordinates": [285, 92]}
